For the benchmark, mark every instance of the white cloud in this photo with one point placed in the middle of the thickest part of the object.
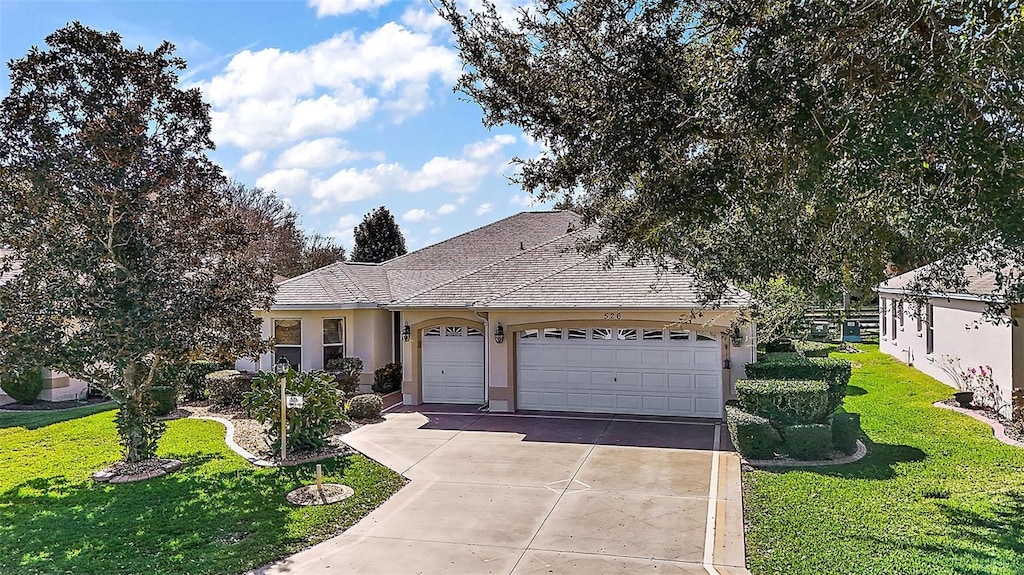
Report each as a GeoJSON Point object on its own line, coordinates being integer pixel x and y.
{"type": "Point", "coordinates": [423, 20]}
{"type": "Point", "coordinates": [271, 96]}
{"type": "Point", "coordinates": [483, 209]}
{"type": "Point", "coordinates": [343, 229]}
{"type": "Point", "coordinates": [435, 231]}
{"type": "Point", "coordinates": [416, 215]}
{"type": "Point", "coordinates": [252, 160]}
{"type": "Point", "coordinates": [350, 185]}
{"type": "Point", "coordinates": [462, 199]}
{"type": "Point", "coordinates": [446, 209]}
{"type": "Point", "coordinates": [294, 181]}
{"type": "Point", "coordinates": [339, 7]}
{"type": "Point", "coordinates": [488, 148]}
{"type": "Point", "coordinates": [320, 153]}
{"type": "Point", "coordinates": [524, 200]}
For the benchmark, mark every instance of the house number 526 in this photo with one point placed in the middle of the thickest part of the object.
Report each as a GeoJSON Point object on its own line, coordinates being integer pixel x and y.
{"type": "Point", "coordinates": [613, 315]}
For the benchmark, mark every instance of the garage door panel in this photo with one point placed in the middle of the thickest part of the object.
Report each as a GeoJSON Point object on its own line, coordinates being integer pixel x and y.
{"type": "Point", "coordinates": [453, 367]}
{"type": "Point", "coordinates": [650, 375]}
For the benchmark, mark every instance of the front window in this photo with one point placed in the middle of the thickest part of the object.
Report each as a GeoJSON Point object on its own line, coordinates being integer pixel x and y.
{"type": "Point", "coordinates": [930, 334]}
{"type": "Point", "coordinates": [334, 339]}
{"type": "Point", "coordinates": [288, 341]}
{"type": "Point", "coordinates": [883, 319]}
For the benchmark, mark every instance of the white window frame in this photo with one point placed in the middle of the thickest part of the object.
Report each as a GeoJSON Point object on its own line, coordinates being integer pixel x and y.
{"type": "Point", "coordinates": [344, 338]}
{"type": "Point", "coordinates": [273, 328]}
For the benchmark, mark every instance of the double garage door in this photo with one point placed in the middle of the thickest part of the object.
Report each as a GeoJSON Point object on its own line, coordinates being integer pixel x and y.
{"type": "Point", "coordinates": [599, 370]}
{"type": "Point", "coordinates": [615, 370]}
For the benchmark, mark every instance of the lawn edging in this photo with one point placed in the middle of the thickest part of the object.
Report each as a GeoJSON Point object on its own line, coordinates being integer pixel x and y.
{"type": "Point", "coordinates": [998, 429]}
{"type": "Point", "coordinates": [229, 439]}
{"type": "Point", "coordinates": [854, 457]}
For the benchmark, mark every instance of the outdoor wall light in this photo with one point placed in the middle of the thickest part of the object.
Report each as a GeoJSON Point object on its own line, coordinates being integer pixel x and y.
{"type": "Point", "coordinates": [406, 332]}
{"type": "Point", "coordinates": [737, 336]}
{"type": "Point", "coordinates": [282, 366]}
{"type": "Point", "coordinates": [499, 334]}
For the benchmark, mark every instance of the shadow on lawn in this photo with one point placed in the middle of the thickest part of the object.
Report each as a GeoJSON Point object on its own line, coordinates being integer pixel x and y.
{"type": "Point", "coordinates": [879, 464]}
{"type": "Point", "coordinates": [36, 419]}
{"type": "Point", "coordinates": [189, 521]}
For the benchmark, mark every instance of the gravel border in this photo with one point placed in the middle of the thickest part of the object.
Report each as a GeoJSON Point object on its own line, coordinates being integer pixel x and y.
{"type": "Point", "coordinates": [998, 429]}
{"type": "Point", "coordinates": [862, 451]}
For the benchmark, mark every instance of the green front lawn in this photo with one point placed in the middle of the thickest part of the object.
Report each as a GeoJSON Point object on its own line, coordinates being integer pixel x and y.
{"type": "Point", "coordinates": [218, 514]}
{"type": "Point", "coordinates": [936, 494]}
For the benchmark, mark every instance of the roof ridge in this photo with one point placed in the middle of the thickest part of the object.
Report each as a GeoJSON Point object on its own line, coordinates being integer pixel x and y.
{"type": "Point", "coordinates": [465, 233]}
{"type": "Point", "coordinates": [541, 278]}
{"type": "Point", "coordinates": [488, 265]}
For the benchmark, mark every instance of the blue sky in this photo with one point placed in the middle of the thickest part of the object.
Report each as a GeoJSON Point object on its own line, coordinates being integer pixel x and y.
{"type": "Point", "coordinates": [338, 105]}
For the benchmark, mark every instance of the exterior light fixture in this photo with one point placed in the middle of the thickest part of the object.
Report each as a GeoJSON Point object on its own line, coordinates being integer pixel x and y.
{"type": "Point", "coordinates": [736, 336]}
{"type": "Point", "coordinates": [282, 366]}
{"type": "Point", "coordinates": [499, 334]}
{"type": "Point", "coordinates": [406, 332]}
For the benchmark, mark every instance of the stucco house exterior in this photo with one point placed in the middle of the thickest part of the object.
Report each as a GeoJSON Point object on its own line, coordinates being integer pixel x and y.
{"type": "Point", "coordinates": [512, 317]}
{"type": "Point", "coordinates": [950, 326]}
{"type": "Point", "coordinates": [57, 386]}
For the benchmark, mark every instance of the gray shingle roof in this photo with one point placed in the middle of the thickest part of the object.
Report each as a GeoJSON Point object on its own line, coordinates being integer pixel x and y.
{"type": "Point", "coordinates": [527, 260]}
{"type": "Point", "coordinates": [979, 283]}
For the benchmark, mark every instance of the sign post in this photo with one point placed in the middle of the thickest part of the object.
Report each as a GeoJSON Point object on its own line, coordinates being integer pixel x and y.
{"type": "Point", "coordinates": [281, 368]}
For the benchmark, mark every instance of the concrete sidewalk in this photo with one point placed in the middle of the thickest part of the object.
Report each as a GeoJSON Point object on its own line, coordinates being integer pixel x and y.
{"type": "Point", "coordinates": [514, 494]}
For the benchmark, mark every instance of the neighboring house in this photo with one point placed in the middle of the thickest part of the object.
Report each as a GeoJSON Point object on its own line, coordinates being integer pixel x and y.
{"type": "Point", "coordinates": [57, 386]}
{"type": "Point", "coordinates": [951, 327]}
{"type": "Point", "coordinates": [513, 317]}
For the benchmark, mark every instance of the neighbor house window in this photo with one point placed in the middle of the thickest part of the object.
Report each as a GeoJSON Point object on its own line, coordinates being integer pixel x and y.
{"type": "Point", "coordinates": [334, 339]}
{"type": "Point", "coordinates": [899, 310]}
{"type": "Point", "coordinates": [288, 341]}
{"type": "Point", "coordinates": [896, 309]}
{"type": "Point", "coordinates": [930, 334]}
{"type": "Point", "coordinates": [920, 322]}
{"type": "Point", "coordinates": [883, 316]}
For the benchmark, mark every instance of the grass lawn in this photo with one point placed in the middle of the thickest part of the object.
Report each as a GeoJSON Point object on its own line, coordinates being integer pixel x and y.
{"type": "Point", "coordinates": [218, 514]}
{"type": "Point", "coordinates": [936, 494]}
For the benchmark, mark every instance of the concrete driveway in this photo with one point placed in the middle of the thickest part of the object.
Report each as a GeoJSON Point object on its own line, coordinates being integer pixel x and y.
{"type": "Point", "coordinates": [542, 494]}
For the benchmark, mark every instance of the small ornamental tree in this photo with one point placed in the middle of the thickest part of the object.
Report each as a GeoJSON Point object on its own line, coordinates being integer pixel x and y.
{"type": "Point", "coordinates": [378, 238]}
{"type": "Point", "coordinates": [119, 223]}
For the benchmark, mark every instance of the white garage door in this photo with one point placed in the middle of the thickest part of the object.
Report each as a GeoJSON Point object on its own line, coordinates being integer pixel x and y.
{"type": "Point", "coordinates": [453, 365]}
{"type": "Point", "coordinates": [614, 370]}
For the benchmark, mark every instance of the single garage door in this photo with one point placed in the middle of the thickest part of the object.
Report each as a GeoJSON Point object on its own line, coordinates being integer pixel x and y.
{"type": "Point", "coordinates": [614, 370]}
{"type": "Point", "coordinates": [453, 365]}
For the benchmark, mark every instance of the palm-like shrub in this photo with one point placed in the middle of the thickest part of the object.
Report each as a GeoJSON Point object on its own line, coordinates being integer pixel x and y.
{"type": "Point", "coordinates": [309, 427]}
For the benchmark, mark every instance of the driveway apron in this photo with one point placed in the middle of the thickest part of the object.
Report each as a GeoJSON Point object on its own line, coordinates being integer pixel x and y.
{"type": "Point", "coordinates": [518, 494]}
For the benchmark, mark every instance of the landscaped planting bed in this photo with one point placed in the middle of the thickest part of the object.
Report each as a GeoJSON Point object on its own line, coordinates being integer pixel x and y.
{"type": "Point", "coordinates": [218, 514]}
{"type": "Point", "coordinates": [937, 493]}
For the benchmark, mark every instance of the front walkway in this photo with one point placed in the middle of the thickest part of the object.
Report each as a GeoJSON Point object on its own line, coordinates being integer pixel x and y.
{"type": "Point", "coordinates": [539, 494]}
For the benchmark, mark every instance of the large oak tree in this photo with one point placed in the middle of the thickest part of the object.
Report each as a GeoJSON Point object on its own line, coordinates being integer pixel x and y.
{"type": "Point", "coordinates": [822, 142]}
{"type": "Point", "coordinates": [129, 251]}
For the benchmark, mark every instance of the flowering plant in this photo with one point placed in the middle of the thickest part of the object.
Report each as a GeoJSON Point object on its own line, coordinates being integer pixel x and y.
{"type": "Point", "coordinates": [986, 390]}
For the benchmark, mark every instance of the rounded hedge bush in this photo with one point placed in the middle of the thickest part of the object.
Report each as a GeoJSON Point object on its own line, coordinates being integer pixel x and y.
{"type": "Point", "coordinates": [752, 435]}
{"type": "Point", "coordinates": [808, 442]}
{"type": "Point", "coordinates": [845, 431]}
{"type": "Point", "coordinates": [23, 387]}
{"type": "Point", "coordinates": [165, 397]}
{"type": "Point", "coordinates": [388, 378]}
{"type": "Point", "coordinates": [228, 386]}
{"type": "Point", "coordinates": [785, 402]}
{"type": "Point", "coordinates": [366, 406]}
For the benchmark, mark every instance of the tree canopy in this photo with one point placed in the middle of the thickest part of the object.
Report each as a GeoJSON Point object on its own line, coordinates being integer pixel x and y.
{"type": "Point", "coordinates": [279, 237]}
{"type": "Point", "coordinates": [130, 255]}
{"type": "Point", "coordinates": [822, 142]}
{"type": "Point", "coordinates": [378, 238]}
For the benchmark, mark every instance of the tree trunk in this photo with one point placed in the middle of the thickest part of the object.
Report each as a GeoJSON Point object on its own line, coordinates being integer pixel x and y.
{"type": "Point", "coordinates": [138, 429]}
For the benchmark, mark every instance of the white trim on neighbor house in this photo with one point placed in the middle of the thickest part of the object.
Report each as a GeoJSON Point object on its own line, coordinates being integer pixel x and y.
{"type": "Point", "coordinates": [303, 307]}
{"type": "Point", "coordinates": [940, 295]}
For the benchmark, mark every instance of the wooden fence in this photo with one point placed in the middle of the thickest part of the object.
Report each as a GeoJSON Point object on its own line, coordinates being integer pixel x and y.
{"type": "Point", "coordinates": [867, 316]}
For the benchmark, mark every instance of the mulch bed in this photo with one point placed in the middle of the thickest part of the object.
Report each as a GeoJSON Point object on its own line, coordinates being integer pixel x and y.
{"type": "Point", "coordinates": [324, 495]}
{"type": "Point", "coordinates": [1012, 429]}
{"type": "Point", "coordinates": [54, 405]}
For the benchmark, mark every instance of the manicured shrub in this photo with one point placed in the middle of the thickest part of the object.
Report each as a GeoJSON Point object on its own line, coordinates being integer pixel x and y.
{"type": "Point", "coordinates": [780, 345]}
{"type": "Point", "coordinates": [785, 402]}
{"type": "Point", "coordinates": [165, 398]}
{"type": "Point", "coordinates": [309, 427]}
{"type": "Point", "coordinates": [366, 406]}
{"type": "Point", "coordinates": [227, 387]}
{"type": "Point", "coordinates": [845, 431]}
{"type": "Point", "coordinates": [347, 371]}
{"type": "Point", "coordinates": [192, 380]}
{"type": "Point", "coordinates": [388, 378]}
{"type": "Point", "coordinates": [814, 348]}
{"type": "Point", "coordinates": [752, 435]}
{"type": "Point", "coordinates": [833, 371]}
{"type": "Point", "coordinates": [807, 442]}
{"type": "Point", "coordinates": [23, 386]}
